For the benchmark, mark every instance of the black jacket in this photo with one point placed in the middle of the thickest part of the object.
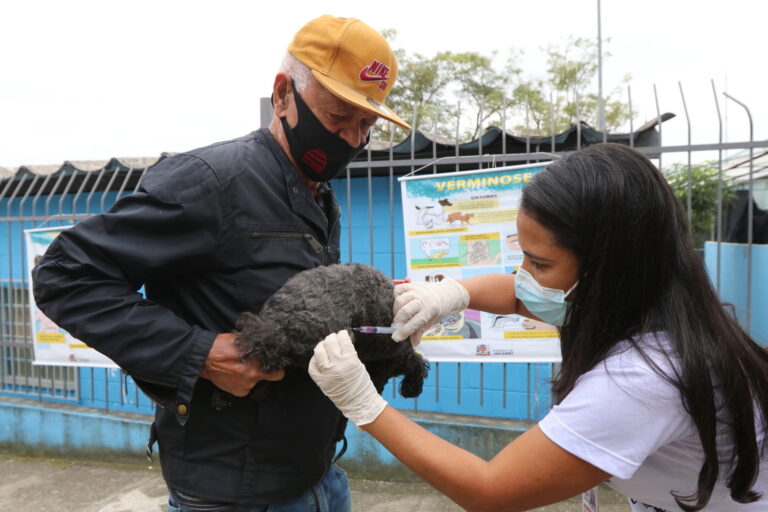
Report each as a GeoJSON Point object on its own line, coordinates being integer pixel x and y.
{"type": "Point", "coordinates": [209, 234]}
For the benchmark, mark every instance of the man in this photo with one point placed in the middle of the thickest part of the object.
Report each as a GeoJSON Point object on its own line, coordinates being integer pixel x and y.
{"type": "Point", "coordinates": [214, 232]}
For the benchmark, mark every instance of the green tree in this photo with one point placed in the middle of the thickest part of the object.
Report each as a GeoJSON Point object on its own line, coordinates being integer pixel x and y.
{"type": "Point", "coordinates": [422, 83]}
{"type": "Point", "coordinates": [475, 90]}
{"type": "Point", "coordinates": [480, 86]}
{"type": "Point", "coordinates": [704, 183]}
{"type": "Point", "coordinates": [571, 71]}
{"type": "Point", "coordinates": [531, 107]}
{"type": "Point", "coordinates": [421, 86]}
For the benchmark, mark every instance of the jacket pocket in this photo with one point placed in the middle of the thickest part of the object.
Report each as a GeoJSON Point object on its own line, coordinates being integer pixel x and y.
{"type": "Point", "coordinates": [270, 258]}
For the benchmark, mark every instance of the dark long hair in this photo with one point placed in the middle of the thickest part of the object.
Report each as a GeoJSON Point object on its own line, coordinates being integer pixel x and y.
{"type": "Point", "coordinates": [639, 273]}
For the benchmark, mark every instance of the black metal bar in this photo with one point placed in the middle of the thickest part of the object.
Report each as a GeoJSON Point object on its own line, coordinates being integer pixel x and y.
{"type": "Point", "coordinates": [719, 226]}
{"type": "Point", "coordinates": [689, 195]}
{"type": "Point", "coordinates": [750, 213]}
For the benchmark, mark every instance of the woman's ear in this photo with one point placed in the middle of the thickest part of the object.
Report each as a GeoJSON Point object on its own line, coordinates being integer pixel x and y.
{"type": "Point", "coordinates": [280, 91]}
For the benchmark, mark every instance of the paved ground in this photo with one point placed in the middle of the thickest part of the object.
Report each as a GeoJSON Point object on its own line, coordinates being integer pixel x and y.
{"type": "Point", "coordinates": [29, 484]}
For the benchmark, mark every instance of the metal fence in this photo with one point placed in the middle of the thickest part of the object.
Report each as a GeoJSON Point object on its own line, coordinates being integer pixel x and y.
{"type": "Point", "coordinates": [369, 197]}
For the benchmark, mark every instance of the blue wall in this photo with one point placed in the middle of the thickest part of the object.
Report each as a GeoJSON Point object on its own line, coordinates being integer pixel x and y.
{"type": "Point", "coordinates": [12, 264]}
{"type": "Point", "coordinates": [386, 249]}
{"type": "Point", "coordinates": [111, 388]}
{"type": "Point", "coordinates": [513, 391]}
{"type": "Point", "coordinates": [733, 283]}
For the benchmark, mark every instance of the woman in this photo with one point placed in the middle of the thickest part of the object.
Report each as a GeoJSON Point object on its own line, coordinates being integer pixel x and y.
{"type": "Point", "coordinates": [660, 392]}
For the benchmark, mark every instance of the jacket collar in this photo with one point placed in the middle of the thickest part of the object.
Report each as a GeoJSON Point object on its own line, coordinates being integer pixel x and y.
{"type": "Point", "coordinates": [299, 196]}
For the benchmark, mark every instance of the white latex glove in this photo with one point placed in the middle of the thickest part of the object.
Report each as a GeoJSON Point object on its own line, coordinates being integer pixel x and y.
{"type": "Point", "coordinates": [338, 372]}
{"type": "Point", "coordinates": [419, 306]}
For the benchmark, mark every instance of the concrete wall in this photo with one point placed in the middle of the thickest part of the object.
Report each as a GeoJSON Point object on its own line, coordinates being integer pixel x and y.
{"type": "Point", "coordinates": [66, 430]}
{"type": "Point", "coordinates": [485, 437]}
{"type": "Point", "coordinates": [63, 430]}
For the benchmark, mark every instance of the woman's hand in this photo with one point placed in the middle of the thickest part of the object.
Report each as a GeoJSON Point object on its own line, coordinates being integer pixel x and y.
{"type": "Point", "coordinates": [418, 306]}
{"type": "Point", "coordinates": [338, 372]}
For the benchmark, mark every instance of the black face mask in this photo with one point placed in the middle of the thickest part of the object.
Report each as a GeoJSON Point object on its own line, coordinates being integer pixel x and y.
{"type": "Point", "coordinates": [320, 154]}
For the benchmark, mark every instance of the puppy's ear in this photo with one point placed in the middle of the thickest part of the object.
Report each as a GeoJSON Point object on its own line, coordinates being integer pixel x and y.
{"type": "Point", "coordinates": [246, 319]}
{"type": "Point", "coordinates": [250, 332]}
{"type": "Point", "coordinates": [414, 376]}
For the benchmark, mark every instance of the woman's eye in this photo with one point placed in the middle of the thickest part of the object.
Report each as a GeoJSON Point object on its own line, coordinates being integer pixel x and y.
{"type": "Point", "coordinates": [537, 266]}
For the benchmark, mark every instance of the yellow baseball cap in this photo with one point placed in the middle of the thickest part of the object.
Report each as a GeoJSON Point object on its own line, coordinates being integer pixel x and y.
{"type": "Point", "coordinates": [350, 59]}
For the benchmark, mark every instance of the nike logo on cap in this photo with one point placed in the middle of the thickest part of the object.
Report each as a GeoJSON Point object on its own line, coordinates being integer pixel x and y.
{"type": "Point", "coordinates": [374, 72]}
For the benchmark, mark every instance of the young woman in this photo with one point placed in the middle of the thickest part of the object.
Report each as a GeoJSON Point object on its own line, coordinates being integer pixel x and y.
{"type": "Point", "coordinates": [660, 392]}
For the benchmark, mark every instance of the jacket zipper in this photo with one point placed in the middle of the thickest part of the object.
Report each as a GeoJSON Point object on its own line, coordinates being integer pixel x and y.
{"type": "Point", "coordinates": [328, 260]}
{"type": "Point", "coordinates": [317, 246]}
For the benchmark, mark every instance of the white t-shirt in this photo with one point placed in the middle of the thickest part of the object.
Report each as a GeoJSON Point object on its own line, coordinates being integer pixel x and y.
{"type": "Point", "coordinates": [623, 418]}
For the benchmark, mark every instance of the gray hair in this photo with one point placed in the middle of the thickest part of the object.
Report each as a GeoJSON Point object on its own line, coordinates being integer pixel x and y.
{"type": "Point", "coordinates": [298, 71]}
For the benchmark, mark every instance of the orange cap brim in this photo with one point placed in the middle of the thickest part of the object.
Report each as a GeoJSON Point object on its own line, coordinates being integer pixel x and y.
{"type": "Point", "coordinates": [350, 95]}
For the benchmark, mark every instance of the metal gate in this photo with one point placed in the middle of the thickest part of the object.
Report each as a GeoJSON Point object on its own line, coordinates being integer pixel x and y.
{"type": "Point", "coordinates": [369, 196]}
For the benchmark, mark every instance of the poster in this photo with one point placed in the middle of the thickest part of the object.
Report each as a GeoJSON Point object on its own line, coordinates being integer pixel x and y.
{"type": "Point", "coordinates": [461, 225]}
{"type": "Point", "coordinates": [51, 344]}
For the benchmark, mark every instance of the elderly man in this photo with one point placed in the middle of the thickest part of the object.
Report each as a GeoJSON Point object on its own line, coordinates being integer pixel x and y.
{"type": "Point", "coordinates": [211, 233]}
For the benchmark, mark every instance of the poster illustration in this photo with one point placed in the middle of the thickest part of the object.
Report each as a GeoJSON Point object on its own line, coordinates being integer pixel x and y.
{"type": "Point", "coordinates": [52, 345]}
{"type": "Point", "coordinates": [461, 225]}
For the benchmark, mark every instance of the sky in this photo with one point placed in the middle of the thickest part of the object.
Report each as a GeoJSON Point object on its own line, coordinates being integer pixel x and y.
{"type": "Point", "coordinates": [91, 80]}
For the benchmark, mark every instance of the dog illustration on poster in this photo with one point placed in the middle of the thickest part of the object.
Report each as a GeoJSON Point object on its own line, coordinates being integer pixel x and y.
{"type": "Point", "coordinates": [431, 213]}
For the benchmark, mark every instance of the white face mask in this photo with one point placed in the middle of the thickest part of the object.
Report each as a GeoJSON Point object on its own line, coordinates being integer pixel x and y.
{"type": "Point", "coordinates": [548, 304]}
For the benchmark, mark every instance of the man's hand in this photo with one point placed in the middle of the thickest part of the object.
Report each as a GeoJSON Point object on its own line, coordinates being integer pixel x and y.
{"type": "Point", "coordinates": [225, 367]}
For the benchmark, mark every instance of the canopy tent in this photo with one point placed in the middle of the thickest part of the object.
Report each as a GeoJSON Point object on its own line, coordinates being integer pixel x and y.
{"type": "Point", "coordinates": [418, 146]}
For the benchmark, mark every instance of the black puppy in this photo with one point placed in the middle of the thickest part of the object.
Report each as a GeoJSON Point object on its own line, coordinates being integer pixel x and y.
{"type": "Point", "coordinates": [323, 300]}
